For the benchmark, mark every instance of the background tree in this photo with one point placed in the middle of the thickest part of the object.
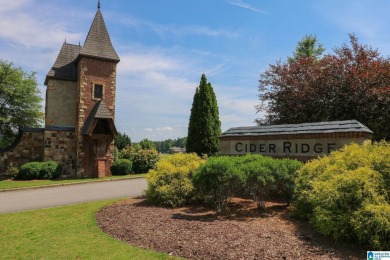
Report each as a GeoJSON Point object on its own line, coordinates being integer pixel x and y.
{"type": "Point", "coordinates": [352, 83]}
{"type": "Point", "coordinates": [122, 140]}
{"type": "Point", "coordinates": [308, 47]}
{"type": "Point", "coordinates": [20, 102]}
{"type": "Point", "coordinates": [204, 127]}
{"type": "Point", "coordinates": [164, 146]}
{"type": "Point", "coordinates": [146, 144]}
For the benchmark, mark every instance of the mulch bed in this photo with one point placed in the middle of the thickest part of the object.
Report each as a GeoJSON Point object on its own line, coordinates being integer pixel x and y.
{"type": "Point", "coordinates": [196, 232]}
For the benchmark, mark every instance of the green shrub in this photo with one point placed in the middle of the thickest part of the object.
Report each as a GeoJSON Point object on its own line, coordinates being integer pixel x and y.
{"type": "Point", "coordinates": [50, 170]}
{"type": "Point", "coordinates": [372, 224]}
{"type": "Point", "coordinates": [286, 176]}
{"type": "Point", "coordinates": [259, 177]}
{"type": "Point", "coordinates": [121, 167]}
{"type": "Point", "coordinates": [143, 159]}
{"type": "Point", "coordinates": [39, 171]}
{"type": "Point", "coordinates": [11, 172]}
{"type": "Point", "coordinates": [261, 173]}
{"type": "Point", "coordinates": [29, 171]}
{"type": "Point", "coordinates": [334, 193]}
{"type": "Point", "coordinates": [218, 180]}
{"type": "Point", "coordinates": [170, 184]}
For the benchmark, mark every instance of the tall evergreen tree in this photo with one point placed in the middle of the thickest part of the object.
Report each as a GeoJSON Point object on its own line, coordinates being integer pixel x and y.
{"type": "Point", "coordinates": [308, 47]}
{"type": "Point", "coordinates": [193, 130]}
{"type": "Point", "coordinates": [204, 127]}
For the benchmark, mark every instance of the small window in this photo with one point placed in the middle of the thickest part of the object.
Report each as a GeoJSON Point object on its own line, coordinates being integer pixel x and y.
{"type": "Point", "coordinates": [98, 91]}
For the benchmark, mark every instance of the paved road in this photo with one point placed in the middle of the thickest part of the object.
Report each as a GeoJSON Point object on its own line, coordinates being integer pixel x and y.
{"type": "Point", "coordinates": [13, 201]}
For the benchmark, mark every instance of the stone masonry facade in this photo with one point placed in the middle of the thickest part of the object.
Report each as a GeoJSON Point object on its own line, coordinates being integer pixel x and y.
{"type": "Point", "coordinates": [92, 72]}
{"type": "Point", "coordinates": [79, 111]}
{"type": "Point", "coordinates": [41, 145]}
{"type": "Point", "coordinates": [303, 142]}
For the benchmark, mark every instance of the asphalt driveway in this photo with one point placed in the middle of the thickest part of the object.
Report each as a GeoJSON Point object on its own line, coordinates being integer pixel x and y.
{"type": "Point", "coordinates": [29, 199]}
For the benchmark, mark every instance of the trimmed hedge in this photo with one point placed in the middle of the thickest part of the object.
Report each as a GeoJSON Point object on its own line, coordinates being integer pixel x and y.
{"type": "Point", "coordinates": [218, 180]}
{"type": "Point", "coordinates": [121, 167]}
{"type": "Point", "coordinates": [345, 195]}
{"type": "Point", "coordinates": [39, 171]}
{"type": "Point", "coordinates": [170, 184]}
{"type": "Point", "coordinates": [221, 178]}
{"type": "Point", "coordinates": [185, 178]}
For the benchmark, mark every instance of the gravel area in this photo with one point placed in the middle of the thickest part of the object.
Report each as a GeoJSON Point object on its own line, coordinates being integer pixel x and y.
{"type": "Point", "coordinates": [196, 232]}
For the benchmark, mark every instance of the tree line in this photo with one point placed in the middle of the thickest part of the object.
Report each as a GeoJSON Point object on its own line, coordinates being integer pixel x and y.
{"type": "Point", "coordinates": [122, 140]}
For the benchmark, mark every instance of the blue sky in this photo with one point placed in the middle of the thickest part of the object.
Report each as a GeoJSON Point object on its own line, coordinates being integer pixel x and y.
{"type": "Point", "coordinates": [165, 46]}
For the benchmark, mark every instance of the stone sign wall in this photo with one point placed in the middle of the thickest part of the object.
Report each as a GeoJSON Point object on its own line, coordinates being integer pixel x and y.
{"type": "Point", "coordinates": [302, 141]}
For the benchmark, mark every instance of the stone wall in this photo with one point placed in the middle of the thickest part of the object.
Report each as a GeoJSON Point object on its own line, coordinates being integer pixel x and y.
{"type": "Point", "coordinates": [61, 99]}
{"type": "Point", "coordinates": [42, 144]}
{"type": "Point", "coordinates": [59, 146]}
{"type": "Point", "coordinates": [303, 147]}
{"type": "Point", "coordinates": [27, 147]}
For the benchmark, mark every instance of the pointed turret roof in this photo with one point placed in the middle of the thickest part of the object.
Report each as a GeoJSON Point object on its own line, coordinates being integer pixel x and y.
{"type": "Point", "coordinates": [98, 43]}
{"type": "Point", "coordinates": [65, 68]}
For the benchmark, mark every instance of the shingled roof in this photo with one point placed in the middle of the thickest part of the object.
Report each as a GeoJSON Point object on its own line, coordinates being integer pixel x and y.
{"type": "Point", "coordinates": [64, 67]}
{"type": "Point", "coordinates": [306, 128]}
{"type": "Point", "coordinates": [100, 111]}
{"type": "Point", "coordinates": [98, 43]}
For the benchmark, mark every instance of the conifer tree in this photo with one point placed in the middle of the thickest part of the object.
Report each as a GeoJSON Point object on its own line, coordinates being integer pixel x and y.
{"type": "Point", "coordinates": [193, 130]}
{"type": "Point", "coordinates": [204, 127]}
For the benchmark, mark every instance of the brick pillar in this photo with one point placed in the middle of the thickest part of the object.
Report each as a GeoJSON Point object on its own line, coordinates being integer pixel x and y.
{"type": "Point", "coordinates": [101, 163]}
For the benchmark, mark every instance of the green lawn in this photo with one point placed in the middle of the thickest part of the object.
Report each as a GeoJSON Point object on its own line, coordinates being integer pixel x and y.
{"type": "Point", "coordinates": [68, 232]}
{"type": "Point", "coordinates": [9, 184]}
{"type": "Point", "coordinates": [165, 155]}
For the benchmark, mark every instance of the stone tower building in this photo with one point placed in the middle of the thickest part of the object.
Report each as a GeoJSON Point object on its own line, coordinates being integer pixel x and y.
{"type": "Point", "coordinates": [79, 111]}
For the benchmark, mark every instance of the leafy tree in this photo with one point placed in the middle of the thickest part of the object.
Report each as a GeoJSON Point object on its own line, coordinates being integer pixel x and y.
{"type": "Point", "coordinates": [146, 144]}
{"type": "Point", "coordinates": [143, 158]}
{"type": "Point", "coordinates": [204, 127]}
{"type": "Point", "coordinates": [308, 47]}
{"type": "Point", "coordinates": [20, 102]}
{"type": "Point", "coordinates": [122, 140]}
{"type": "Point", "coordinates": [352, 83]}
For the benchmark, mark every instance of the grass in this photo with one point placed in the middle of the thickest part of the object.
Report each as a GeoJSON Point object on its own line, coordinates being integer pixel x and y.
{"type": "Point", "coordinates": [165, 155]}
{"type": "Point", "coordinates": [10, 184]}
{"type": "Point", "coordinates": [68, 232]}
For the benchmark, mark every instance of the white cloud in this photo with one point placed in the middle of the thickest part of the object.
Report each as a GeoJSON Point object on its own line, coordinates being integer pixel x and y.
{"type": "Point", "coordinates": [178, 30]}
{"type": "Point", "coordinates": [24, 27]}
{"type": "Point", "coordinates": [246, 6]}
{"type": "Point", "coordinates": [164, 129]}
{"type": "Point", "coordinates": [7, 6]}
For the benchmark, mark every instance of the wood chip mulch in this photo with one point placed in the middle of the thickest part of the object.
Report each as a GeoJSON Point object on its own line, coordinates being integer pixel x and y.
{"type": "Point", "coordinates": [196, 232]}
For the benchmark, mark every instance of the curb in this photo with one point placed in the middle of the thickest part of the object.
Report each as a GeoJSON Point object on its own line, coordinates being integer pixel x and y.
{"type": "Point", "coordinates": [67, 184]}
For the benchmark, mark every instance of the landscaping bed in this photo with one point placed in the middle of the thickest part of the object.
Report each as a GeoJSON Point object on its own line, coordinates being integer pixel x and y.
{"type": "Point", "coordinates": [197, 232]}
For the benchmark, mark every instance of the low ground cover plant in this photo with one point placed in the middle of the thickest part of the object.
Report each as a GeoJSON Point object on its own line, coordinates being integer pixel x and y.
{"type": "Point", "coordinates": [346, 195]}
{"type": "Point", "coordinates": [48, 170]}
{"type": "Point", "coordinates": [170, 184]}
{"type": "Point", "coordinates": [10, 173]}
